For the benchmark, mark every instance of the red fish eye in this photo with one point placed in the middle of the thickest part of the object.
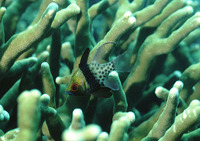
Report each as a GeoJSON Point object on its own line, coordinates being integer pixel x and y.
{"type": "Point", "coordinates": [74, 87]}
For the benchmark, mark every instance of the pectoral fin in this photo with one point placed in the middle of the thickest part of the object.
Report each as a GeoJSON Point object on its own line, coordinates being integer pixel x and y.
{"type": "Point", "coordinates": [111, 83]}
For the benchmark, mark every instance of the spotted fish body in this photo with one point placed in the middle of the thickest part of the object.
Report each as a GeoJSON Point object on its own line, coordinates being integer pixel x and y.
{"type": "Point", "coordinates": [93, 77]}
{"type": "Point", "coordinates": [96, 74]}
{"type": "Point", "coordinates": [101, 71]}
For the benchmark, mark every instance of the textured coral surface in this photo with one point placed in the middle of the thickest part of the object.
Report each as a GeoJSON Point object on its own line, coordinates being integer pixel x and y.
{"type": "Point", "coordinates": [144, 53]}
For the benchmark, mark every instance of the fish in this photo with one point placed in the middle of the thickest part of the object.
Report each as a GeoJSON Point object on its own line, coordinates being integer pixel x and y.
{"type": "Point", "coordinates": [92, 78]}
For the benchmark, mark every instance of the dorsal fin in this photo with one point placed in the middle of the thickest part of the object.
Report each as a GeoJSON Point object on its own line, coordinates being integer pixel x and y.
{"type": "Point", "coordinates": [84, 58]}
{"type": "Point", "coordinates": [100, 52]}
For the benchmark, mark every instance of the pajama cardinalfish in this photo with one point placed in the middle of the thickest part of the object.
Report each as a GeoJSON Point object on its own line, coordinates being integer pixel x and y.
{"type": "Point", "coordinates": [92, 78]}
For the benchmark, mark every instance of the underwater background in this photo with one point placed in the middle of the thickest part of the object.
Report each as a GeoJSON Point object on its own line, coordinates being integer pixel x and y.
{"type": "Point", "coordinates": [99, 70]}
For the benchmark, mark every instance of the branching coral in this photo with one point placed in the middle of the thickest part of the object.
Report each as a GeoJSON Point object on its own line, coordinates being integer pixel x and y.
{"type": "Point", "coordinates": [156, 76]}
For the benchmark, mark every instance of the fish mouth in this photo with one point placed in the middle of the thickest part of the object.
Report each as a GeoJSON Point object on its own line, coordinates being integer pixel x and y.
{"type": "Point", "coordinates": [69, 93]}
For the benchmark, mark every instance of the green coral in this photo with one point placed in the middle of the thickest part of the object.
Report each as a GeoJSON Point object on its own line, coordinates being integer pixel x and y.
{"type": "Point", "coordinates": [39, 56]}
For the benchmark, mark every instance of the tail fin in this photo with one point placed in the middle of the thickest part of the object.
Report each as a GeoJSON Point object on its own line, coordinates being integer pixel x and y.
{"type": "Point", "coordinates": [122, 62]}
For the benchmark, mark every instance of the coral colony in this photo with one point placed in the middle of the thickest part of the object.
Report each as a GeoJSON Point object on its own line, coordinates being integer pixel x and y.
{"type": "Point", "coordinates": [100, 70]}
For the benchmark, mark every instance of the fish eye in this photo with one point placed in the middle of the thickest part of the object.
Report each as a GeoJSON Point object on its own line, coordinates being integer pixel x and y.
{"type": "Point", "coordinates": [74, 87]}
